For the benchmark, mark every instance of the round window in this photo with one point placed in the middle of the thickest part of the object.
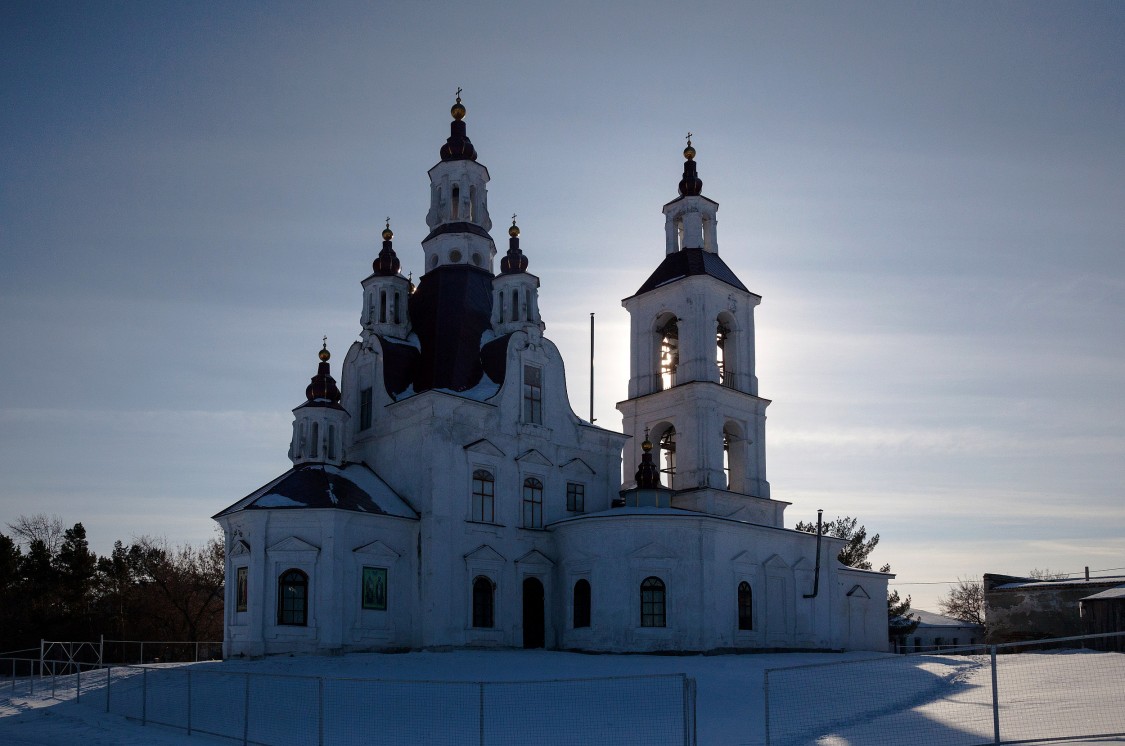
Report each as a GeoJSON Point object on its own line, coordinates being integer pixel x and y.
{"type": "Point", "coordinates": [455, 256]}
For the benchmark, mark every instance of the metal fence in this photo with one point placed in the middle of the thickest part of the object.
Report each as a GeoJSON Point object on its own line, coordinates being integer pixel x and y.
{"type": "Point", "coordinates": [103, 651]}
{"type": "Point", "coordinates": [1014, 693]}
{"type": "Point", "coordinates": [279, 710]}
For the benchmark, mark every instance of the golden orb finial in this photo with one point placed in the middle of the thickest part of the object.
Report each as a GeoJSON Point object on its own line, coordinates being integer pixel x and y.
{"type": "Point", "coordinates": [458, 109]}
{"type": "Point", "coordinates": [515, 229]}
{"type": "Point", "coordinates": [647, 444]}
{"type": "Point", "coordinates": [324, 354]}
{"type": "Point", "coordinates": [689, 151]}
{"type": "Point", "coordinates": [388, 234]}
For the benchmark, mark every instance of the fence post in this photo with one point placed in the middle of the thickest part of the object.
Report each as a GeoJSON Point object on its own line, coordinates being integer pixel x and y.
{"type": "Point", "coordinates": [766, 697]}
{"type": "Point", "coordinates": [995, 699]}
{"type": "Point", "coordinates": [52, 679]}
{"type": "Point", "coordinates": [78, 683]}
{"type": "Point", "coordinates": [108, 679]}
{"type": "Point", "coordinates": [189, 702]}
{"type": "Point", "coordinates": [144, 696]}
{"type": "Point", "coordinates": [246, 712]}
{"type": "Point", "coordinates": [31, 675]}
{"type": "Point", "coordinates": [101, 649]}
{"type": "Point", "coordinates": [142, 660]}
{"type": "Point", "coordinates": [480, 713]}
{"type": "Point", "coordinates": [320, 711]}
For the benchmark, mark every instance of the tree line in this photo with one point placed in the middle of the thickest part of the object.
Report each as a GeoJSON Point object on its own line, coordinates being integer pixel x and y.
{"type": "Point", "coordinates": [52, 586]}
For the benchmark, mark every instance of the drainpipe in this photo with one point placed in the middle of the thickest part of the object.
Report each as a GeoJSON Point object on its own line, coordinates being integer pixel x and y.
{"type": "Point", "coordinates": [816, 572]}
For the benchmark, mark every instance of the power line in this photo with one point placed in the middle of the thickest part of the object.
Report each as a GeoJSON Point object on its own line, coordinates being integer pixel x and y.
{"type": "Point", "coordinates": [954, 582]}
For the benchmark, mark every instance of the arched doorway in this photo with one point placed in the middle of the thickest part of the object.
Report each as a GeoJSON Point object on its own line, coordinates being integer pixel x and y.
{"type": "Point", "coordinates": [534, 627]}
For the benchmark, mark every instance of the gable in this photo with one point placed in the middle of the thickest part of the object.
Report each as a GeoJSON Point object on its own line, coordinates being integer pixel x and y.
{"type": "Point", "coordinates": [777, 563]}
{"type": "Point", "coordinates": [484, 446]}
{"type": "Point", "coordinates": [536, 558]}
{"type": "Point", "coordinates": [240, 548]}
{"type": "Point", "coordinates": [377, 549]}
{"type": "Point", "coordinates": [484, 553]}
{"type": "Point", "coordinates": [579, 466]}
{"type": "Point", "coordinates": [293, 544]}
{"type": "Point", "coordinates": [532, 456]}
{"type": "Point", "coordinates": [858, 592]}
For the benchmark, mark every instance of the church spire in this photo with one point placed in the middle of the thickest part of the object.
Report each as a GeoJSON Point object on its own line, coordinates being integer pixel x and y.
{"type": "Point", "coordinates": [514, 261]}
{"type": "Point", "coordinates": [458, 147]}
{"type": "Point", "coordinates": [691, 185]}
{"type": "Point", "coordinates": [387, 263]}
{"type": "Point", "coordinates": [323, 388]}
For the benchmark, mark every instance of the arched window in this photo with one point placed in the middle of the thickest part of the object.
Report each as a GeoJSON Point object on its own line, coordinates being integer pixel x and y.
{"type": "Point", "coordinates": [382, 306]}
{"type": "Point", "coordinates": [726, 457]}
{"type": "Point", "coordinates": [722, 332]}
{"type": "Point", "coordinates": [735, 456]}
{"type": "Point", "coordinates": [667, 456]}
{"type": "Point", "coordinates": [532, 503]}
{"type": "Point", "coordinates": [473, 206]}
{"type": "Point", "coordinates": [745, 606]}
{"type": "Point", "coordinates": [293, 598]}
{"type": "Point", "coordinates": [582, 604]}
{"type": "Point", "coordinates": [314, 446]}
{"type": "Point", "coordinates": [483, 601]}
{"type": "Point", "coordinates": [669, 353]}
{"type": "Point", "coordinates": [515, 304]}
{"type": "Point", "coordinates": [484, 496]}
{"type": "Point", "coordinates": [652, 603]}
{"type": "Point", "coordinates": [394, 309]}
{"type": "Point", "coordinates": [455, 203]}
{"type": "Point", "coordinates": [500, 304]}
{"type": "Point", "coordinates": [331, 442]}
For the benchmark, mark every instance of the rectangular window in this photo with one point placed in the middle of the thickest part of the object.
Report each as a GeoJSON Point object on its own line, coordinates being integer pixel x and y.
{"type": "Point", "coordinates": [374, 588]}
{"type": "Point", "coordinates": [241, 592]}
{"type": "Point", "coordinates": [365, 409]}
{"type": "Point", "coordinates": [533, 394]}
{"type": "Point", "coordinates": [575, 497]}
{"type": "Point", "coordinates": [532, 503]}
{"type": "Point", "coordinates": [484, 496]}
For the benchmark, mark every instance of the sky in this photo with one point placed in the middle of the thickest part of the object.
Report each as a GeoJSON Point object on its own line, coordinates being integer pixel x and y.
{"type": "Point", "coordinates": [929, 197]}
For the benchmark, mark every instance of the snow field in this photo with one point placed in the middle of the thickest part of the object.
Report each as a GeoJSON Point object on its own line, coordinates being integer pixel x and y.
{"type": "Point", "coordinates": [862, 701]}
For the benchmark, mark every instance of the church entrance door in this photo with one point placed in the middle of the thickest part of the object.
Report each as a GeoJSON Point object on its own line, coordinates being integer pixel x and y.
{"type": "Point", "coordinates": [534, 626]}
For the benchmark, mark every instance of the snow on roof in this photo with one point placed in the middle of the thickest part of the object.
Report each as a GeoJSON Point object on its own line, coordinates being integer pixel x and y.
{"type": "Point", "coordinates": [349, 487]}
{"type": "Point", "coordinates": [1064, 583]}
{"type": "Point", "coordinates": [1118, 592]}
{"type": "Point", "coordinates": [930, 619]}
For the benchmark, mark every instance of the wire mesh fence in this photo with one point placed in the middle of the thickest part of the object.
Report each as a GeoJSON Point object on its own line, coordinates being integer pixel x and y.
{"type": "Point", "coordinates": [973, 696]}
{"type": "Point", "coordinates": [280, 710]}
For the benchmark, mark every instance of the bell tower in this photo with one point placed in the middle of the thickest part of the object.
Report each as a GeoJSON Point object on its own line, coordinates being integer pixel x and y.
{"type": "Point", "coordinates": [692, 386]}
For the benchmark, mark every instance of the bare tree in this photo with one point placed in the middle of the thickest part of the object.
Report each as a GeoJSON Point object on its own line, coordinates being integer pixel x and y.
{"type": "Point", "coordinates": [1046, 574]}
{"type": "Point", "coordinates": [41, 527]}
{"type": "Point", "coordinates": [187, 584]}
{"type": "Point", "coordinates": [965, 601]}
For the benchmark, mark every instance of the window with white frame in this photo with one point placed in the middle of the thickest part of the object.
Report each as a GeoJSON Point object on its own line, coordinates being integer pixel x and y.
{"type": "Point", "coordinates": [484, 496]}
{"type": "Point", "coordinates": [575, 497]}
{"type": "Point", "coordinates": [533, 394]}
{"type": "Point", "coordinates": [532, 503]}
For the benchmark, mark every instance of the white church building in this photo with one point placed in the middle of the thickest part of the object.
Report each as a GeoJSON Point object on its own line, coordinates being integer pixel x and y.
{"type": "Point", "coordinates": [446, 495]}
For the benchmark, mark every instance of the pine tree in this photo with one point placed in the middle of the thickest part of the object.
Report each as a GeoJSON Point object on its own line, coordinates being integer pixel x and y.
{"type": "Point", "coordinates": [900, 620]}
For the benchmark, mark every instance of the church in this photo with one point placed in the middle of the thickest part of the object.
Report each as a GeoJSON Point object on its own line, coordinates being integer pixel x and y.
{"type": "Point", "coordinates": [445, 495]}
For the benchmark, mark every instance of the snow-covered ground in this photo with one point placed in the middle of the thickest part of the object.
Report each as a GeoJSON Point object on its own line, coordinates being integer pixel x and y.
{"type": "Point", "coordinates": [888, 700]}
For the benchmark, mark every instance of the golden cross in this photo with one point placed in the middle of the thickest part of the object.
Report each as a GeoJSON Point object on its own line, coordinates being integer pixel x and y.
{"type": "Point", "coordinates": [458, 94]}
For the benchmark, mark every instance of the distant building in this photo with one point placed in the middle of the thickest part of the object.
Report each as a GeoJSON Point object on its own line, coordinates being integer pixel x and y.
{"type": "Point", "coordinates": [1018, 609]}
{"type": "Point", "coordinates": [937, 632]}
{"type": "Point", "coordinates": [446, 495]}
{"type": "Point", "coordinates": [1105, 612]}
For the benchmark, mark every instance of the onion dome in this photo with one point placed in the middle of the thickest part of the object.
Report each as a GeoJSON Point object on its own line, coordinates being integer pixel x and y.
{"type": "Point", "coordinates": [514, 261]}
{"type": "Point", "coordinates": [648, 476]}
{"type": "Point", "coordinates": [691, 185]}
{"type": "Point", "coordinates": [458, 147]}
{"type": "Point", "coordinates": [387, 263]}
{"type": "Point", "coordinates": [323, 385]}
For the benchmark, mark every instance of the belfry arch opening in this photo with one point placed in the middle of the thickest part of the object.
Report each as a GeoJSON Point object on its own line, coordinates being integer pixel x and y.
{"type": "Point", "coordinates": [664, 435]}
{"type": "Point", "coordinates": [734, 456]}
{"type": "Point", "coordinates": [668, 332]}
{"type": "Point", "coordinates": [726, 342]}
